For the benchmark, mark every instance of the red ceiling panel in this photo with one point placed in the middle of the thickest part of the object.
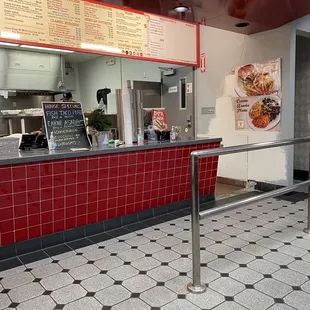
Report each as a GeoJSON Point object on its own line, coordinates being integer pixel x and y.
{"type": "Point", "coordinates": [225, 14]}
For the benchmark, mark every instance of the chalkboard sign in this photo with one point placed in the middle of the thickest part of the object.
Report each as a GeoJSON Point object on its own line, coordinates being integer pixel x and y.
{"type": "Point", "coordinates": [66, 121]}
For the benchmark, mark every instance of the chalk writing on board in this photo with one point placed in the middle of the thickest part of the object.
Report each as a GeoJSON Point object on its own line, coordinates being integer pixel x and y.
{"type": "Point", "coordinates": [66, 121]}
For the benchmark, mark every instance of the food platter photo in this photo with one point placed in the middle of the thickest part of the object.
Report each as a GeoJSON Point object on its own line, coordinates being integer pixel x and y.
{"type": "Point", "coordinates": [252, 80]}
{"type": "Point", "coordinates": [264, 112]}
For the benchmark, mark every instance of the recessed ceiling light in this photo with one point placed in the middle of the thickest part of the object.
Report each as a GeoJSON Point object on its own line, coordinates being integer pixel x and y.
{"type": "Point", "coordinates": [181, 8]}
{"type": "Point", "coordinates": [242, 25]}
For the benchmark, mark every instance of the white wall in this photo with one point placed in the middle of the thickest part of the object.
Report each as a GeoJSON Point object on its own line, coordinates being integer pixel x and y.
{"type": "Point", "coordinates": [224, 51]}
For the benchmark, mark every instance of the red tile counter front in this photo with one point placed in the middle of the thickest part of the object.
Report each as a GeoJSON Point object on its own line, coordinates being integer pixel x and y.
{"type": "Point", "coordinates": [42, 198]}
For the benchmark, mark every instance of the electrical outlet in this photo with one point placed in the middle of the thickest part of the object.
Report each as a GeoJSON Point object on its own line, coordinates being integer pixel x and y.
{"type": "Point", "coordinates": [14, 105]}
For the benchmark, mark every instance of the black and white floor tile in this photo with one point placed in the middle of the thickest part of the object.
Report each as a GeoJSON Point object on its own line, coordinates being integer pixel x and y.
{"type": "Point", "coordinates": [256, 258]}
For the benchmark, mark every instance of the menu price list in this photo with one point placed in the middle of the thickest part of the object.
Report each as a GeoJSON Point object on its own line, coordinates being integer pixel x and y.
{"type": "Point", "coordinates": [85, 25]}
{"type": "Point", "coordinates": [66, 121]}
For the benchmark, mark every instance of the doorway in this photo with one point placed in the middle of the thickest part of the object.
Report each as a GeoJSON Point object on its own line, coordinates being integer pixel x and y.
{"type": "Point", "coordinates": [302, 107]}
{"type": "Point", "coordinates": [178, 99]}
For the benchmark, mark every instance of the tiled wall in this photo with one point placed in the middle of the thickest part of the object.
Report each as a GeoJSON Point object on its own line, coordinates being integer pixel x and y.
{"type": "Point", "coordinates": [302, 102]}
{"type": "Point", "coordinates": [47, 197]}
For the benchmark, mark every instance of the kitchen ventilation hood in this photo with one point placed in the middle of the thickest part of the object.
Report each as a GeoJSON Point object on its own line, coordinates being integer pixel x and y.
{"type": "Point", "coordinates": [30, 72]}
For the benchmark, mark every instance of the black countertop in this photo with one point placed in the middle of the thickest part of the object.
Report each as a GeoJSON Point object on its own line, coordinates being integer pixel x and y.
{"type": "Point", "coordinates": [22, 157]}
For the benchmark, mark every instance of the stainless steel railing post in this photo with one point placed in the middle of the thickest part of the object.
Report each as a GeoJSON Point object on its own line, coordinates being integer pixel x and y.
{"type": "Point", "coordinates": [196, 286]}
{"type": "Point", "coordinates": [307, 229]}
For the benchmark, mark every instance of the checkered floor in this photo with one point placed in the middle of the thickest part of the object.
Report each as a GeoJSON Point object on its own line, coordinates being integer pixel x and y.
{"type": "Point", "coordinates": [256, 258]}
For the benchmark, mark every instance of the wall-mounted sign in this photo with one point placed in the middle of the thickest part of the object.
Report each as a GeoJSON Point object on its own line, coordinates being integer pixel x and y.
{"type": "Point", "coordinates": [207, 110]}
{"type": "Point", "coordinates": [203, 63]}
{"type": "Point", "coordinates": [258, 79]}
{"type": "Point", "coordinates": [66, 121]}
{"type": "Point", "coordinates": [189, 88]}
{"type": "Point", "coordinates": [173, 89]}
{"type": "Point", "coordinates": [159, 120]}
{"type": "Point", "coordinates": [99, 28]}
{"type": "Point", "coordinates": [261, 113]}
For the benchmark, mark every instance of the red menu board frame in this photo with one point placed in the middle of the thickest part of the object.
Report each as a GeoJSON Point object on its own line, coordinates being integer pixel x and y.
{"type": "Point", "coordinates": [84, 50]}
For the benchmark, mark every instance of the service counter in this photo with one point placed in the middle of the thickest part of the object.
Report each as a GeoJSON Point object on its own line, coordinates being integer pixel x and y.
{"type": "Point", "coordinates": [87, 192]}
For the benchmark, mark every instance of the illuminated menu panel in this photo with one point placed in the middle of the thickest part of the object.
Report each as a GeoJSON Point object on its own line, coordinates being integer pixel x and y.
{"type": "Point", "coordinates": [88, 26]}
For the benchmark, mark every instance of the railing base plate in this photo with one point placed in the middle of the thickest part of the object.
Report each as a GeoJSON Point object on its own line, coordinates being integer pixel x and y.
{"type": "Point", "coordinates": [196, 289]}
{"type": "Point", "coordinates": [307, 230]}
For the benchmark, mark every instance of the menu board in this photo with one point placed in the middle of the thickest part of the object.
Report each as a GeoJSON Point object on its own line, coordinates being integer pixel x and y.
{"type": "Point", "coordinates": [87, 26]}
{"type": "Point", "coordinates": [66, 121]}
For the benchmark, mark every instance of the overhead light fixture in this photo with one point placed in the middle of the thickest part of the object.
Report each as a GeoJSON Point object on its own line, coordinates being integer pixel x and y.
{"type": "Point", "coordinates": [8, 44]}
{"type": "Point", "coordinates": [46, 49]}
{"type": "Point", "coordinates": [181, 8]}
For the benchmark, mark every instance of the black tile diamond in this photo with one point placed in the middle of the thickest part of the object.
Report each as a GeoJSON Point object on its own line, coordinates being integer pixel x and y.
{"type": "Point", "coordinates": [202, 236]}
{"type": "Point", "coordinates": [299, 237]}
{"type": "Point", "coordinates": [118, 282]}
{"type": "Point", "coordinates": [278, 231]}
{"type": "Point", "coordinates": [290, 226]}
{"type": "Point", "coordinates": [148, 255]}
{"type": "Point", "coordinates": [184, 256]}
{"type": "Point", "coordinates": [156, 229]}
{"type": "Point", "coordinates": [164, 264]}
{"type": "Point", "coordinates": [254, 217]}
{"type": "Point", "coordinates": [283, 267]}
{"type": "Point", "coordinates": [167, 248]}
{"type": "Point", "coordinates": [226, 217]}
{"type": "Point", "coordinates": [65, 270]}
{"type": "Point", "coordinates": [121, 241]}
{"type": "Point", "coordinates": [247, 230]}
{"type": "Point", "coordinates": [214, 221]}
{"type": "Point", "coordinates": [186, 220]}
{"type": "Point", "coordinates": [127, 263]}
{"type": "Point", "coordinates": [55, 261]}
{"type": "Point", "coordinates": [48, 293]}
{"type": "Point", "coordinates": [267, 276]}
{"type": "Point", "coordinates": [170, 235]}
{"type": "Point", "coordinates": [77, 282]}
{"type": "Point", "coordinates": [259, 226]}
{"type": "Point", "coordinates": [142, 272]}
{"type": "Point", "coordinates": [90, 262]}
{"type": "Point", "coordinates": [160, 284]}
{"type": "Point", "coordinates": [113, 254]}
{"type": "Point", "coordinates": [278, 300]}
{"type": "Point", "coordinates": [140, 235]}
{"type": "Point", "coordinates": [185, 241]}
{"type": "Point", "coordinates": [186, 229]}
{"type": "Point", "coordinates": [249, 286]}
{"type": "Point", "coordinates": [101, 247]}
{"type": "Point", "coordinates": [37, 280]}
{"type": "Point", "coordinates": [274, 250]}
{"type": "Point", "coordinates": [282, 217]}
{"type": "Point", "coordinates": [266, 237]}
{"type": "Point", "coordinates": [172, 224]}
{"type": "Point", "coordinates": [300, 222]}
{"type": "Point", "coordinates": [233, 236]}
{"type": "Point", "coordinates": [14, 305]}
{"type": "Point", "coordinates": [296, 288]}
{"type": "Point", "coordinates": [183, 274]}
{"type": "Point", "coordinates": [103, 272]}
{"type": "Point", "coordinates": [242, 265]}
{"type": "Point", "coordinates": [153, 241]}
{"type": "Point", "coordinates": [204, 265]}
{"type": "Point", "coordinates": [287, 243]}
{"type": "Point", "coordinates": [181, 296]}
{"type": "Point", "coordinates": [224, 275]}
{"type": "Point", "coordinates": [28, 270]}
{"type": "Point", "coordinates": [203, 249]}
{"type": "Point", "coordinates": [216, 230]}
{"type": "Point", "coordinates": [155, 308]}
{"type": "Point", "coordinates": [106, 308]}
{"type": "Point", "coordinates": [218, 242]}
{"type": "Point", "coordinates": [270, 221]}
{"type": "Point", "coordinates": [134, 247]}
{"type": "Point", "coordinates": [230, 225]}
{"type": "Point", "coordinates": [79, 254]}
{"type": "Point", "coordinates": [242, 221]}
{"type": "Point", "coordinates": [5, 291]}
{"type": "Point", "coordinates": [58, 307]}
{"type": "Point", "coordinates": [90, 294]}
{"type": "Point", "coordinates": [229, 298]}
{"type": "Point", "coordinates": [221, 256]}
{"type": "Point", "coordinates": [135, 295]}
{"type": "Point", "coordinates": [259, 257]}
{"type": "Point", "coordinates": [252, 242]}
{"type": "Point", "coordinates": [237, 249]}
{"type": "Point", "coordinates": [298, 258]}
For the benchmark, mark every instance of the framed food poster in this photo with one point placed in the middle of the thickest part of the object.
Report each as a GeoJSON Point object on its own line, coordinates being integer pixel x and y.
{"type": "Point", "coordinates": [262, 113]}
{"type": "Point", "coordinates": [258, 79]}
{"type": "Point", "coordinates": [159, 120]}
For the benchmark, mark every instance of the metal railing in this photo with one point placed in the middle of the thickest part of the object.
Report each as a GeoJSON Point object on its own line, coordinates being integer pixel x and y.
{"type": "Point", "coordinates": [196, 286]}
